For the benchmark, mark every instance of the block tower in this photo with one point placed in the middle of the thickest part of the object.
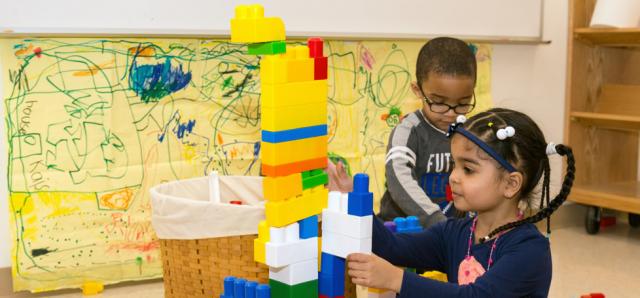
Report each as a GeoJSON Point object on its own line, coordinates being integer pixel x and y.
{"type": "Point", "coordinates": [293, 150]}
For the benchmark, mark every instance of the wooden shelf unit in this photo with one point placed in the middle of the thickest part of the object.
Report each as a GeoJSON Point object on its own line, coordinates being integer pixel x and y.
{"type": "Point", "coordinates": [603, 111]}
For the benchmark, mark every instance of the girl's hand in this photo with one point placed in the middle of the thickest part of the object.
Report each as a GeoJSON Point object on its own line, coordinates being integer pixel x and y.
{"type": "Point", "coordinates": [374, 272]}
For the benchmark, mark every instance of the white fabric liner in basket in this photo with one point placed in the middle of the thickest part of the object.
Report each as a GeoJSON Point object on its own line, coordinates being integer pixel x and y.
{"type": "Point", "coordinates": [182, 210]}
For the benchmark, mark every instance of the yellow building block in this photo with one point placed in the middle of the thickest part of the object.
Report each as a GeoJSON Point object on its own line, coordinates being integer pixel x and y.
{"type": "Point", "coordinates": [92, 288]}
{"type": "Point", "coordinates": [436, 275]}
{"type": "Point", "coordinates": [280, 188]}
{"type": "Point", "coordinates": [293, 94]}
{"type": "Point", "coordinates": [250, 25]}
{"type": "Point", "coordinates": [294, 66]}
{"type": "Point", "coordinates": [275, 119]}
{"type": "Point", "coordinates": [311, 202]}
{"type": "Point", "coordinates": [263, 231]}
{"type": "Point", "coordinates": [259, 250]}
{"type": "Point", "coordinates": [275, 154]}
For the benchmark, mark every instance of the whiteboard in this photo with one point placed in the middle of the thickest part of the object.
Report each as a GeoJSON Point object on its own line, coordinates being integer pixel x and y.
{"type": "Point", "coordinates": [486, 19]}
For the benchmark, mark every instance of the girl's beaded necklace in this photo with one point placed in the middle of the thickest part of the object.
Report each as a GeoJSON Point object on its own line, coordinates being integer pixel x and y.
{"type": "Point", "coordinates": [493, 245]}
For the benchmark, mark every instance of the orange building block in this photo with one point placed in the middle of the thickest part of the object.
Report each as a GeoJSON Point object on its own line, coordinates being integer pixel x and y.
{"type": "Point", "coordinates": [280, 188]}
{"type": "Point", "coordinates": [296, 167]}
{"type": "Point", "coordinates": [274, 154]}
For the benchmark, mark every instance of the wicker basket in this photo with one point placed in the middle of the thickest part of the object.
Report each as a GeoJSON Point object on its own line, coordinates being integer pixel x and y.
{"type": "Point", "coordinates": [197, 268]}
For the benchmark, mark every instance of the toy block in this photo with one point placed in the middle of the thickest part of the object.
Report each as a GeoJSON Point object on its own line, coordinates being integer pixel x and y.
{"type": "Point", "coordinates": [288, 169]}
{"type": "Point", "coordinates": [250, 289]}
{"type": "Point", "coordinates": [263, 291]}
{"type": "Point", "coordinates": [333, 202]}
{"type": "Point", "coordinates": [410, 224]}
{"type": "Point", "coordinates": [294, 134]}
{"type": "Point", "coordinates": [294, 66]}
{"type": "Point", "coordinates": [228, 287]}
{"type": "Point", "coordinates": [267, 48]}
{"type": "Point", "coordinates": [320, 68]}
{"type": "Point", "coordinates": [358, 227]}
{"type": "Point", "coordinates": [293, 94]}
{"type": "Point", "coordinates": [295, 273]}
{"type": "Point", "coordinates": [332, 276]}
{"type": "Point", "coordinates": [361, 199]}
{"type": "Point", "coordinates": [309, 227]}
{"type": "Point", "coordinates": [250, 25]}
{"type": "Point", "coordinates": [92, 288]}
{"type": "Point", "coordinates": [341, 245]}
{"type": "Point", "coordinates": [344, 202]}
{"type": "Point", "coordinates": [332, 265]}
{"type": "Point", "coordinates": [324, 296]}
{"type": "Point", "coordinates": [379, 293]}
{"type": "Point", "coordinates": [331, 286]}
{"type": "Point", "coordinates": [293, 151]}
{"type": "Point", "coordinates": [313, 178]}
{"type": "Point", "coordinates": [238, 287]}
{"type": "Point", "coordinates": [285, 118]}
{"type": "Point", "coordinates": [311, 202]}
{"type": "Point", "coordinates": [259, 252]}
{"type": "Point", "coordinates": [316, 45]}
{"type": "Point", "coordinates": [436, 275]}
{"type": "Point", "coordinates": [280, 188]}
{"type": "Point", "coordinates": [391, 226]}
{"type": "Point", "coordinates": [304, 290]}
{"type": "Point", "coordinates": [287, 253]}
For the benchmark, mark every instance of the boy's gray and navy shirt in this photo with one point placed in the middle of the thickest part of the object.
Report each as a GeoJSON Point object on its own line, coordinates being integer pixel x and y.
{"type": "Point", "coordinates": [417, 164]}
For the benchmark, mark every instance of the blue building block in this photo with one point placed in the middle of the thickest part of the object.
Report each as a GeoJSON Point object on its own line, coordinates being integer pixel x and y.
{"type": "Point", "coordinates": [241, 288]}
{"type": "Point", "coordinates": [309, 227]}
{"type": "Point", "coordinates": [250, 289]}
{"type": "Point", "coordinates": [410, 224]}
{"type": "Point", "coordinates": [263, 291]}
{"type": "Point", "coordinates": [360, 199]}
{"type": "Point", "coordinates": [331, 277]}
{"type": "Point", "coordinates": [294, 134]}
{"type": "Point", "coordinates": [228, 287]}
{"type": "Point", "coordinates": [238, 287]}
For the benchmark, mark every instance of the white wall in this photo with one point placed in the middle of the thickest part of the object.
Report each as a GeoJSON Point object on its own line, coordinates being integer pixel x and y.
{"type": "Point", "coordinates": [527, 78]}
{"type": "Point", "coordinates": [531, 79]}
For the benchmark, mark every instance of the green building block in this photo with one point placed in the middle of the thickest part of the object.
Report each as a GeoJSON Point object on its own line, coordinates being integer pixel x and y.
{"type": "Point", "coordinates": [303, 290]}
{"type": "Point", "coordinates": [267, 48]}
{"type": "Point", "coordinates": [313, 178]}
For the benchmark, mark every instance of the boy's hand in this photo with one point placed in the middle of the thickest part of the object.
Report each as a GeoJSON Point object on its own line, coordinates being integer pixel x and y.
{"type": "Point", "coordinates": [339, 180]}
{"type": "Point", "coordinates": [374, 272]}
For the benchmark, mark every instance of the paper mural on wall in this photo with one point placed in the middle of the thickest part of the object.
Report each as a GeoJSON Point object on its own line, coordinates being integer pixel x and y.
{"type": "Point", "coordinates": [92, 124]}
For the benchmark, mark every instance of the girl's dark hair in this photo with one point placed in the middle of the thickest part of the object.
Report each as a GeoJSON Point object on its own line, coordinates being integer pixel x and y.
{"type": "Point", "coordinates": [526, 151]}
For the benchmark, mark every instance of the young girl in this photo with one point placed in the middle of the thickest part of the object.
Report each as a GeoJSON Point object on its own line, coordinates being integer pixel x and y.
{"type": "Point", "coordinates": [499, 156]}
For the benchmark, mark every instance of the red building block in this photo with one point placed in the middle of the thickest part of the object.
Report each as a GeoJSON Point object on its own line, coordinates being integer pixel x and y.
{"type": "Point", "coordinates": [320, 68]}
{"type": "Point", "coordinates": [315, 45]}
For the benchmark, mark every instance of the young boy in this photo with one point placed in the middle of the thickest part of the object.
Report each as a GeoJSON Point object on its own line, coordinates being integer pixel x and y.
{"type": "Point", "coordinates": [418, 158]}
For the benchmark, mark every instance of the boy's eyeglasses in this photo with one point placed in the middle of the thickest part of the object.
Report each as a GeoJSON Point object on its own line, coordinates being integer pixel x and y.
{"type": "Point", "coordinates": [441, 108]}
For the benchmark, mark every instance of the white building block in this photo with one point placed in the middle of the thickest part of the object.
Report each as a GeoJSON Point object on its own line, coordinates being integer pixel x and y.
{"type": "Point", "coordinates": [344, 202]}
{"type": "Point", "coordinates": [287, 253]}
{"type": "Point", "coordinates": [341, 245]}
{"type": "Point", "coordinates": [296, 273]}
{"type": "Point", "coordinates": [334, 200]}
{"type": "Point", "coordinates": [359, 227]}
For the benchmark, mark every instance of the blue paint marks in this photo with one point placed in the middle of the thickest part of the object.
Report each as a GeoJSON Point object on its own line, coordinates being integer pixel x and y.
{"type": "Point", "coordinates": [153, 82]}
{"type": "Point", "coordinates": [185, 127]}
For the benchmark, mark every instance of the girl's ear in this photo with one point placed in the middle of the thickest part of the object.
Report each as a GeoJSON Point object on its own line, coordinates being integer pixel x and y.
{"type": "Point", "coordinates": [513, 184]}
